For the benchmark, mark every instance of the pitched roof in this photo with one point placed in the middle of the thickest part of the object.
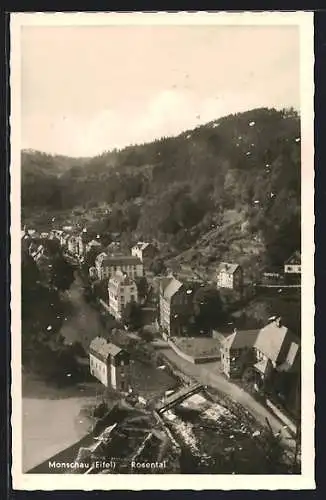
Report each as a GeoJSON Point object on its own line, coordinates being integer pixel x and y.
{"type": "Point", "coordinates": [271, 339]}
{"type": "Point", "coordinates": [99, 259]}
{"type": "Point", "coordinates": [227, 267]}
{"type": "Point", "coordinates": [164, 282]}
{"type": "Point", "coordinates": [94, 243]}
{"type": "Point", "coordinates": [241, 339]}
{"type": "Point", "coordinates": [171, 289]}
{"type": "Point", "coordinates": [294, 259]}
{"type": "Point", "coordinates": [263, 365]}
{"type": "Point", "coordinates": [291, 360]}
{"type": "Point", "coordinates": [99, 346]}
{"type": "Point", "coordinates": [141, 245]}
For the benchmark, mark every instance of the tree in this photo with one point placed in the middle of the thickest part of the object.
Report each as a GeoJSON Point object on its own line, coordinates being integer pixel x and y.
{"type": "Point", "coordinates": [100, 288]}
{"type": "Point", "coordinates": [208, 307]}
{"type": "Point", "coordinates": [62, 275]}
{"type": "Point", "coordinates": [131, 315]}
{"type": "Point", "coordinates": [52, 247]}
{"type": "Point", "coordinates": [142, 287]}
{"type": "Point", "coordinates": [157, 266]}
{"type": "Point", "coordinates": [90, 257]}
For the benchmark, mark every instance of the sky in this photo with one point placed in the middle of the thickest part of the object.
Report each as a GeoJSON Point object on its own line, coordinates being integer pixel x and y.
{"type": "Point", "coordinates": [85, 90]}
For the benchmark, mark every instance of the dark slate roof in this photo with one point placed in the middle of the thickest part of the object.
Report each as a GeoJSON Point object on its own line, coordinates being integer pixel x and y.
{"type": "Point", "coordinates": [227, 267]}
{"type": "Point", "coordinates": [241, 339]}
{"type": "Point", "coordinates": [99, 346]}
{"type": "Point", "coordinates": [271, 339]}
{"type": "Point", "coordinates": [295, 259]}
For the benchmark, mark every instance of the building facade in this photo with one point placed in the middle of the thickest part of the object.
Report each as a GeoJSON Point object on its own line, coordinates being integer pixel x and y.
{"type": "Point", "coordinates": [229, 276]}
{"type": "Point", "coordinates": [176, 306]}
{"type": "Point", "coordinates": [144, 251]}
{"type": "Point", "coordinates": [109, 364]}
{"type": "Point", "coordinates": [276, 350]}
{"type": "Point", "coordinates": [73, 245]}
{"type": "Point", "coordinates": [92, 244]}
{"type": "Point", "coordinates": [122, 290]}
{"type": "Point", "coordinates": [237, 352]}
{"type": "Point", "coordinates": [292, 269]}
{"type": "Point", "coordinates": [108, 265]}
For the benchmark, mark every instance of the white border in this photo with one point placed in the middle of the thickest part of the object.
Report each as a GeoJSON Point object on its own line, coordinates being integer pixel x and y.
{"type": "Point", "coordinates": [304, 20]}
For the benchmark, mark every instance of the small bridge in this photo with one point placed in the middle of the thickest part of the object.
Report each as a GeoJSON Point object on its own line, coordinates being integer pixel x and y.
{"type": "Point", "coordinates": [178, 397]}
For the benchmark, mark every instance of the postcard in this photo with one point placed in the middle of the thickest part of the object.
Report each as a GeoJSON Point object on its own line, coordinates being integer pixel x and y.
{"type": "Point", "coordinates": [162, 243]}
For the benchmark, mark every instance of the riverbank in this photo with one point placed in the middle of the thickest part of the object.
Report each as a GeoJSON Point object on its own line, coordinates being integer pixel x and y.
{"type": "Point", "coordinates": [53, 418]}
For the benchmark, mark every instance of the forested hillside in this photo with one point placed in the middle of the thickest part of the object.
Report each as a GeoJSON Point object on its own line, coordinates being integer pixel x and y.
{"type": "Point", "coordinates": [236, 179]}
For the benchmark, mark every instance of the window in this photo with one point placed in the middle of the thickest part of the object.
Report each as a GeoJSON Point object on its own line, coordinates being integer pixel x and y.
{"type": "Point", "coordinates": [122, 363]}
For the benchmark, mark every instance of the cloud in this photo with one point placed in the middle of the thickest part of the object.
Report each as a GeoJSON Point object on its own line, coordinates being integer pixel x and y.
{"type": "Point", "coordinates": [166, 113]}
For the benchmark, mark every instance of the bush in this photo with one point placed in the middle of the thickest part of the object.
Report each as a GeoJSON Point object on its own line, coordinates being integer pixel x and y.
{"type": "Point", "coordinates": [146, 335]}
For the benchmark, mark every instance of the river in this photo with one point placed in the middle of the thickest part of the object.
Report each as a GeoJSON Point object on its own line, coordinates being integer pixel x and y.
{"type": "Point", "coordinates": [53, 417]}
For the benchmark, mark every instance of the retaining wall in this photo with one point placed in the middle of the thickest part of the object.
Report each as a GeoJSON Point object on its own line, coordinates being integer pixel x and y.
{"type": "Point", "coordinates": [196, 360]}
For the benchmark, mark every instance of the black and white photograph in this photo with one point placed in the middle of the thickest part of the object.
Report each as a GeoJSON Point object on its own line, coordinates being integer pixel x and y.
{"type": "Point", "coordinates": [162, 250]}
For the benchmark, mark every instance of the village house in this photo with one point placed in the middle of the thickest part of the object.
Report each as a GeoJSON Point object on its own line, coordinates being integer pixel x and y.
{"type": "Point", "coordinates": [176, 306]}
{"type": "Point", "coordinates": [230, 276]}
{"type": "Point", "coordinates": [109, 364]}
{"type": "Point", "coordinates": [293, 264]}
{"type": "Point", "coordinates": [237, 351]}
{"type": "Point", "coordinates": [292, 269]}
{"type": "Point", "coordinates": [25, 236]}
{"type": "Point", "coordinates": [84, 238]}
{"type": "Point", "coordinates": [122, 290]}
{"type": "Point", "coordinates": [93, 244]}
{"type": "Point", "coordinates": [108, 265]}
{"type": "Point", "coordinates": [36, 250]}
{"type": "Point", "coordinates": [73, 244]}
{"type": "Point", "coordinates": [144, 251]}
{"type": "Point", "coordinates": [64, 238]}
{"type": "Point", "coordinates": [32, 233]}
{"type": "Point", "coordinates": [56, 232]}
{"type": "Point", "coordinates": [114, 248]}
{"type": "Point", "coordinates": [277, 350]}
{"type": "Point", "coordinates": [64, 235]}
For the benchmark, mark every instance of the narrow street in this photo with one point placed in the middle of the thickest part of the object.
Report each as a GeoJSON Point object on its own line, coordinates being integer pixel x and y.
{"type": "Point", "coordinates": [209, 374]}
{"type": "Point", "coordinates": [84, 324]}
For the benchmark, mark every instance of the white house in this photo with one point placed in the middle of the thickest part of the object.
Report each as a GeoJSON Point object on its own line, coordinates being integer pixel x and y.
{"type": "Point", "coordinates": [229, 276]}
{"type": "Point", "coordinates": [122, 290]}
{"type": "Point", "coordinates": [109, 364]}
{"type": "Point", "coordinates": [144, 251]}
{"type": "Point", "coordinates": [293, 264]}
{"type": "Point", "coordinates": [108, 265]}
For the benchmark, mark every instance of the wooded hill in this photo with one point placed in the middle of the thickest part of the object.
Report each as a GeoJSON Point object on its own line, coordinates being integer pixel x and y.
{"type": "Point", "coordinates": [231, 186]}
